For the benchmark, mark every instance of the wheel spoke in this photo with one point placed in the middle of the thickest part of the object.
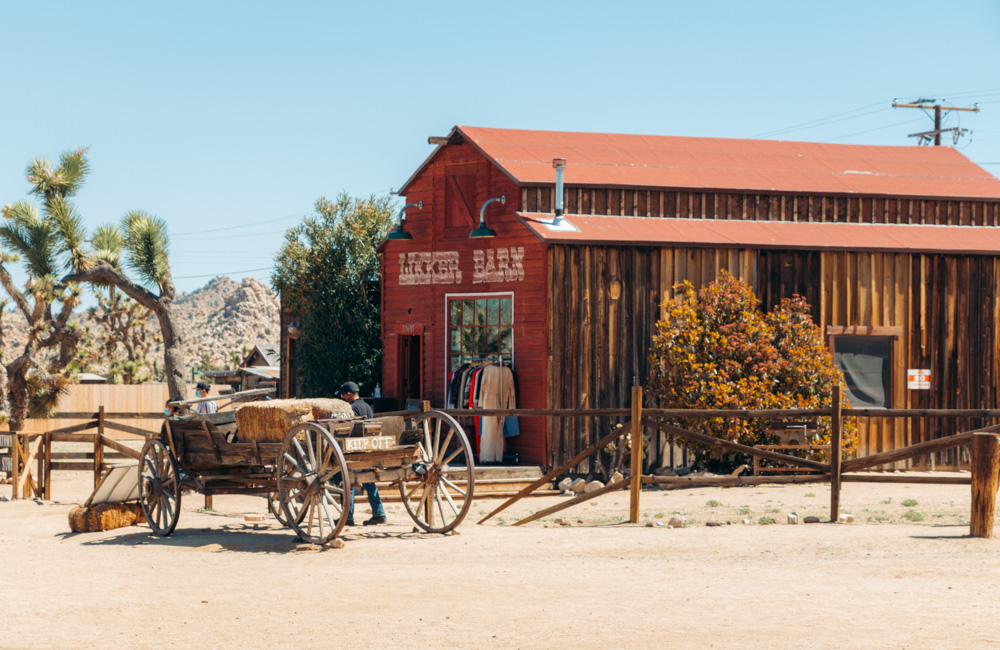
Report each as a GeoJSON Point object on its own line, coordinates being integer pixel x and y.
{"type": "Point", "coordinates": [425, 425]}
{"type": "Point", "coordinates": [443, 449]}
{"type": "Point", "coordinates": [452, 457]}
{"type": "Point", "coordinates": [437, 497]}
{"type": "Point", "coordinates": [329, 518]}
{"type": "Point", "coordinates": [303, 458]}
{"type": "Point", "coordinates": [336, 502]}
{"type": "Point", "coordinates": [437, 438]}
{"type": "Point", "coordinates": [309, 446]}
{"type": "Point", "coordinates": [453, 486]}
{"type": "Point", "coordinates": [450, 502]}
{"type": "Point", "coordinates": [294, 462]}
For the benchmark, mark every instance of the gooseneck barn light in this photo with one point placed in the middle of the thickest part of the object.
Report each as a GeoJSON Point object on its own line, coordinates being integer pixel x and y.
{"type": "Point", "coordinates": [482, 230]}
{"type": "Point", "coordinates": [399, 233]}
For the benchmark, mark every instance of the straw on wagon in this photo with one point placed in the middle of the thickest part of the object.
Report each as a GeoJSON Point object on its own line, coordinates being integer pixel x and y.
{"type": "Point", "coordinates": [105, 516]}
{"type": "Point", "coordinates": [269, 421]}
{"type": "Point", "coordinates": [329, 407]}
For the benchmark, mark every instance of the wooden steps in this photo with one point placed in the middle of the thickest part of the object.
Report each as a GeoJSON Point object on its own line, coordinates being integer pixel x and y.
{"type": "Point", "coordinates": [493, 482]}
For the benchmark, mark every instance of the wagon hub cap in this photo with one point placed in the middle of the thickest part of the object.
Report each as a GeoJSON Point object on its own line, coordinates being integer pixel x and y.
{"type": "Point", "coordinates": [154, 487]}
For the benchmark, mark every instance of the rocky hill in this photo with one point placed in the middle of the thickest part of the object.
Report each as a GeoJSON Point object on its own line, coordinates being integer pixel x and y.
{"type": "Point", "coordinates": [220, 318]}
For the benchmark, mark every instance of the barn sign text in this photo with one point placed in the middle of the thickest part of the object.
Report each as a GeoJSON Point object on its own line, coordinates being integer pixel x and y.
{"type": "Point", "coordinates": [444, 267]}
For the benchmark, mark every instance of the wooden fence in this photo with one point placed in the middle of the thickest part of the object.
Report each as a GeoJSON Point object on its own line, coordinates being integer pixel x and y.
{"type": "Point", "coordinates": [30, 459]}
{"type": "Point", "coordinates": [985, 456]}
{"type": "Point", "coordinates": [87, 399]}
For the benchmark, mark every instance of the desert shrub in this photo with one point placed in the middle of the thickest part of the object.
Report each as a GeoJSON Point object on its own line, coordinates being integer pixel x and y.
{"type": "Point", "coordinates": [716, 350]}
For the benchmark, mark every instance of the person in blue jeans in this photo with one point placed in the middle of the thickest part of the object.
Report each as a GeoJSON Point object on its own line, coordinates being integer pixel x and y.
{"type": "Point", "coordinates": [350, 393]}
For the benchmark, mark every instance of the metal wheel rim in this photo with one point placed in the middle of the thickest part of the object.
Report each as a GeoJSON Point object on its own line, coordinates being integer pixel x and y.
{"type": "Point", "coordinates": [438, 487]}
{"type": "Point", "coordinates": [161, 505]}
{"type": "Point", "coordinates": [313, 483]}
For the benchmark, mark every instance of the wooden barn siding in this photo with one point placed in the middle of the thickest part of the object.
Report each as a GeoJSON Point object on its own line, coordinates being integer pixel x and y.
{"type": "Point", "coordinates": [946, 307]}
{"type": "Point", "coordinates": [425, 304]}
{"type": "Point", "coordinates": [762, 206]}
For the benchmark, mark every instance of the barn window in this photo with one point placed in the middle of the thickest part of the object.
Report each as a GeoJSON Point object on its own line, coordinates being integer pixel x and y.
{"type": "Point", "coordinates": [866, 362]}
{"type": "Point", "coordinates": [480, 328]}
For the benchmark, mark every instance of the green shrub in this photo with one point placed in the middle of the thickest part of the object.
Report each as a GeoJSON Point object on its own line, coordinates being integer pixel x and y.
{"type": "Point", "coordinates": [913, 515]}
{"type": "Point", "coordinates": [909, 503]}
{"type": "Point", "coordinates": [765, 520]}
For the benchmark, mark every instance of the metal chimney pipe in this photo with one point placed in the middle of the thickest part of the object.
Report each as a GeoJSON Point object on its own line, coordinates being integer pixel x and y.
{"type": "Point", "coordinates": [559, 164]}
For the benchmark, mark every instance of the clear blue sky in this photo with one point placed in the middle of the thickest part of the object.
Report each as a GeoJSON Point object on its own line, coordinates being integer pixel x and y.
{"type": "Point", "coordinates": [221, 114]}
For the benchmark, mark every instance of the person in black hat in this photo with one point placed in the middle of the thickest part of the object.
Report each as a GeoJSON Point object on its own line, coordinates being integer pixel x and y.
{"type": "Point", "coordinates": [350, 393]}
{"type": "Point", "coordinates": [201, 390]}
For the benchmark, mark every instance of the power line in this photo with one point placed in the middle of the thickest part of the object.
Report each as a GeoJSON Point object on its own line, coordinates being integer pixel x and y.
{"type": "Point", "coordinates": [816, 122]}
{"type": "Point", "coordinates": [879, 128]}
{"type": "Point", "coordinates": [213, 275]}
{"type": "Point", "coordinates": [245, 225]}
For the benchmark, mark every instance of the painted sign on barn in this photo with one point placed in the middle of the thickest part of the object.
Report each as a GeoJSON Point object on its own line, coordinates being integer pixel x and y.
{"type": "Point", "coordinates": [444, 267]}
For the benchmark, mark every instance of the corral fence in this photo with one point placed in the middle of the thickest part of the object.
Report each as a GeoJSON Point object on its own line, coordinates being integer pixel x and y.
{"type": "Point", "coordinates": [984, 444]}
{"type": "Point", "coordinates": [28, 448]}
{"type": "Point", "coordinates": [27, 460]}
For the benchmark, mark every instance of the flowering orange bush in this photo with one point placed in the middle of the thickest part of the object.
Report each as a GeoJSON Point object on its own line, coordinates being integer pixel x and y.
{"type": "Point", "coordinates": [716, 350]}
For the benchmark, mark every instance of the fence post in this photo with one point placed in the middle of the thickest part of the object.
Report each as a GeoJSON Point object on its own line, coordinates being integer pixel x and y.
{"type": "Point", "coordinates": [637, 444]}
{"type": "Point", "coordinates": [425, 405]}
{"type": "Point", "coordinates": [47, 441]}
{"type": "Point", "coordinates": [985, 468]}
{"type": "Point", "coordinates": [836, 453]}
{"type": "Point", "coordinates": [15, 460]}
{"type": "Point", "coordinates": [99, 447]}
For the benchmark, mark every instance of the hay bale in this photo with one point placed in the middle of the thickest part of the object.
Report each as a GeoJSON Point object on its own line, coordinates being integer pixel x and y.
{"type": "Point", "coordinates": [105, 516]}
{"type": "Point", "coordinates": [329, 407]}
{"type": "Point", "coordinates": [270, 420]}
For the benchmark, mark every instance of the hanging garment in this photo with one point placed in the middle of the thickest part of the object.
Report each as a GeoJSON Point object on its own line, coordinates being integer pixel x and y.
{"type": "Point", "coordinates": [497, 392]}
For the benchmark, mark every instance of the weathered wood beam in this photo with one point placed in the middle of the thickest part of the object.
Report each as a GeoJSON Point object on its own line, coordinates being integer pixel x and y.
{"type": "Point", "coordinates": [919, 449]}
{"type": "Point", "coordinates": [903, 478]}
{"type": "Point", "coordinates": [985, 471]}
{"type": "Point", "coordinates": [120, 448]}
{"type": "Point", "coordinates": [674, 482]}
{"type": "Point", "coordinates": [127, 429]}
{"type": "Point", "coordinates": [610, 487]}
{"type": "Point", "coordinates": [734, 446]}
{"type": "Point", "coordinates": [600, 444]}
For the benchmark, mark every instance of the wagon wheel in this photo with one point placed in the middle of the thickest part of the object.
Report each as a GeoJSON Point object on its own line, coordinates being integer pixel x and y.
{"type": "Point", "coordinates": [433, 498]}
{"type": "Point", "coordinates": [274, 505]}
{"type": "Point", "coordinates": [159, 487]}
{"type": "Point", "coordinates": [312, 483]}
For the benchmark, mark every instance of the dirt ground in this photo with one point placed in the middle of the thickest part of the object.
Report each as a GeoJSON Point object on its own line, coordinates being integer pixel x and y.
{"type": "Point", "coordinates": [890, 579]}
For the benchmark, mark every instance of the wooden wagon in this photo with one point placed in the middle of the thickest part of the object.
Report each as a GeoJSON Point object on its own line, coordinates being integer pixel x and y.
{"type": "Point", "coordinates": [307, 476]}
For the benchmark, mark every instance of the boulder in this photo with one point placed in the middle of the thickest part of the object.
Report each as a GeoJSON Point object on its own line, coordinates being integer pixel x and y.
{"type": "Point", "coordinates": [577, 485]}
{"type": "Point", "coordinates": [592, 486]}
{"type": "Point", "coordinates": [811, 520]}
{"type": "Point", "coordinates": [676, 522]}
{"type": "Point", "coordinates": [565, 484]}
{"type": "Point", "coordinates": [617, 476]}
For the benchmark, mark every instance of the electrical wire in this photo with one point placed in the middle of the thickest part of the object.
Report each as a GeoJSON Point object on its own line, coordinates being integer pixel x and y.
{"type": "Point", "coordinates": [245, 225]}
{"type": "Point", "coordinates": [214, 275]}
{"type": "Point", "coordinates": [880, 128]}
{"type": "Point", "coordinates": [822, 121]}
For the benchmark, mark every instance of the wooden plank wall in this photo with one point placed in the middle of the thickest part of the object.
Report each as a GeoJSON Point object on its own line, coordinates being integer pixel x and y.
{"type": "Point", "coordinates": [762, 207]}
{"type": "Point", "coordinates": [944, 306]}
{"type": "Point", "coordinates": [116, 398]}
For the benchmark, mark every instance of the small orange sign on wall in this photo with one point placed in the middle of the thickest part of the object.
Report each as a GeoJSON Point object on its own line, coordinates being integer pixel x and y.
{"type": "Point", "coordinates": [918, 379]}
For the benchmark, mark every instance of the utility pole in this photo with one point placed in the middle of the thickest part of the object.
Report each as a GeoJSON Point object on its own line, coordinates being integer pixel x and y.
{"type": "Point", "coordinates": [926, 136]}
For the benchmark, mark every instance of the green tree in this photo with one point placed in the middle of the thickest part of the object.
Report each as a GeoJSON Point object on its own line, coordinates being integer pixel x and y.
{"type": "Point", "coordinates": [48, 244]}
{"type": "Point", "coordinates": [716, 350]}
{"type": "Point", "coordinates": [328, 272]}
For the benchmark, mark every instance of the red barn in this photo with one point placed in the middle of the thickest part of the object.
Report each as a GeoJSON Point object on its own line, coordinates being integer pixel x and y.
{"type": "Point", "coordinates": [896, 248]}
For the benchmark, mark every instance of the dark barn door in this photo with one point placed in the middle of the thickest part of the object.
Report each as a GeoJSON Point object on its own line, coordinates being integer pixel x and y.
{"type": "Point", "coordinates": [409, 365]}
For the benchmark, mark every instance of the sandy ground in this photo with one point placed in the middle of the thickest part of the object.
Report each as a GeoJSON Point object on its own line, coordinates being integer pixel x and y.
{"type": "Point", "coordinates": [887, 580]}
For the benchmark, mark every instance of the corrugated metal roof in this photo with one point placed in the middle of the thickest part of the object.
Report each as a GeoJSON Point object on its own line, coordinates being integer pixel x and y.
{"type": "Point", "coordinates": [648, 161]}
{"type": "Point", "coordinates": [786, 235]}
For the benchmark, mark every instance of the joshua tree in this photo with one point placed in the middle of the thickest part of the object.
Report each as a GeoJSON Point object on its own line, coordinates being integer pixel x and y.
{"type": "Point", "coordinates": [48, 244]}
{"type": "Point", "coordinates": [144, 243]}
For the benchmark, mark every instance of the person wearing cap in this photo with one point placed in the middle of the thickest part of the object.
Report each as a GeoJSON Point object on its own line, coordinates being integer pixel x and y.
{"type": "Point", "coordinates": [201, 390]}
{"type": "Point", "coordinates": [350, 393]}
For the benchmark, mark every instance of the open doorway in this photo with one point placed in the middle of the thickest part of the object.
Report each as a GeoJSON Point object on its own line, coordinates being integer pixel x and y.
{"type": "Point", "coordinates": [410, 365]}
